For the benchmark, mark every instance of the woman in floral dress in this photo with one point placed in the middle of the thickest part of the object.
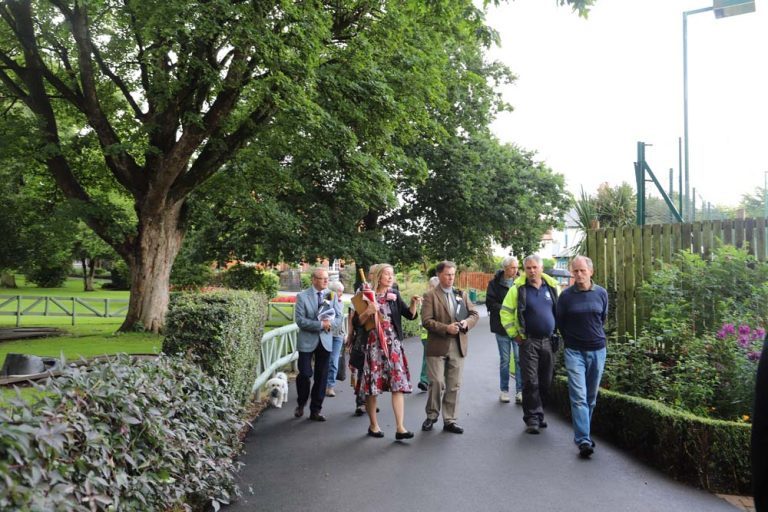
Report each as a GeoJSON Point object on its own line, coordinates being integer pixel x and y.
{"type": "Point", "coordinates": [386, 367]}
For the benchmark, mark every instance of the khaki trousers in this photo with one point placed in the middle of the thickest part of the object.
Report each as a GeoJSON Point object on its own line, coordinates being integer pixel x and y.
{"type": "Point", "coordinates": [444, 373]}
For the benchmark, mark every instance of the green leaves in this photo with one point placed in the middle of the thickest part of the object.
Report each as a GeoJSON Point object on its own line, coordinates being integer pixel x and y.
{"type": "Point", "coordinates": [87, 445]}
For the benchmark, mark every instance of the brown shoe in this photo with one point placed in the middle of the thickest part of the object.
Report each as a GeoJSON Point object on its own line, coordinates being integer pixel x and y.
{"type": "Point", "coordinates": [316, 416]}
{"type": "Point", "coordinates": [299, 412]}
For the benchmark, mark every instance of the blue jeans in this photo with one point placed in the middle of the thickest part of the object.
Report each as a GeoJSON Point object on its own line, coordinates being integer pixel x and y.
{"type": "Point", "coordinates": [333, 363]}
{"type": "Point", "coordinates": [585, 369]}
{"type": "Point", "coordinates": [504, 343]}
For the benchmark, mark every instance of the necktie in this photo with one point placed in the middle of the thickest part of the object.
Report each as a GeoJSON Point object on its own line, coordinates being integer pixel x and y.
{"type": "Point", "coordinates": [319, 299]}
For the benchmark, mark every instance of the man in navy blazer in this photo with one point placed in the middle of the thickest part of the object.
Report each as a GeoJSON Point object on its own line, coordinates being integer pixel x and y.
{"type": "Point", "coordinates": [316, 313]}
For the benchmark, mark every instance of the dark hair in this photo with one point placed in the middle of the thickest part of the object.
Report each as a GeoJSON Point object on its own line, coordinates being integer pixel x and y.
{"type": "Point", "coordinates": [443, 265]}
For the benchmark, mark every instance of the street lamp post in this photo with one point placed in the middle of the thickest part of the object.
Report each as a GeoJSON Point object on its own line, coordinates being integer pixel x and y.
{"type": "Point", "coordinates": [722, 9]}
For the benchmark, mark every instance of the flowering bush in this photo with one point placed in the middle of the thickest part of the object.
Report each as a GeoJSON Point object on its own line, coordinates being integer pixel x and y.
{"type": "Point", "coordinates": [748, 339]}
{"type": "Point", "coordinates": [291, 299]}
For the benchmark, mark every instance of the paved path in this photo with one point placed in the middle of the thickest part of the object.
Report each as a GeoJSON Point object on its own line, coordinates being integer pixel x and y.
{"type": "Point", "coordinates": [295, 464]}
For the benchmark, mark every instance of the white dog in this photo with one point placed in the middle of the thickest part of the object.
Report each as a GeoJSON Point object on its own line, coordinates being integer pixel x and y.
{"type": "Point", "coordinates": [278, 389]}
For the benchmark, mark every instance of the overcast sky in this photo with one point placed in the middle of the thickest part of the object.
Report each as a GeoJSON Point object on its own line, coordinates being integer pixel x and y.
{"type": "Point", "coordinates": [589, 89]}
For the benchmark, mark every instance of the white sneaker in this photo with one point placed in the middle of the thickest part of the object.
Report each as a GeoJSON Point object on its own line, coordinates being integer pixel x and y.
{"type": "Point", "coordinates": [504, 397]}
{"type": "Point", "coordinates": [519, 397]}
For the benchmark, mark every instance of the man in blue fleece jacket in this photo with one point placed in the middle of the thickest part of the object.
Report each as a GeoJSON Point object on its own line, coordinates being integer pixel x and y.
{"type": "Point", "coordinates": [581, 312]}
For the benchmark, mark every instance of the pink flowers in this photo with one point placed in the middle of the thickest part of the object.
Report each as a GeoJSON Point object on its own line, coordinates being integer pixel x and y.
{"type": "Point", "coordinates": [391, 296]}
{"type": "Point", "coordinates": [746, 337]}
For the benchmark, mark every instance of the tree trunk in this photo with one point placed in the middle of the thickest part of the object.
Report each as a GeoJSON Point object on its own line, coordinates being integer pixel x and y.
{"type": "Point", "coordinates": [8, 280]}
{"type": "Point", "coordinates": [89, 270]}
{"type": "Point", "coordinates": [150, 261]}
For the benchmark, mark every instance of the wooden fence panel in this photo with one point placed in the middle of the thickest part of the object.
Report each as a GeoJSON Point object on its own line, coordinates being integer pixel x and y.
{"type": "Point", "coordinates": [760, 239]}
{"type": "Point", "coordinates": [476, 280]}
{"type": "Point", "coordinates": [625, 258]}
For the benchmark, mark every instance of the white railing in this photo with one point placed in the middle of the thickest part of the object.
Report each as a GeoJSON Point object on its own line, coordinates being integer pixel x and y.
{"type": "Point", "coordinates": [278, 348]}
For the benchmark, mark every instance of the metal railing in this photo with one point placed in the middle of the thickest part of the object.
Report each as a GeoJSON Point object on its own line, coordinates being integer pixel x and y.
{"type": "Point", "coordinates": [278, 349]}
{"type": "Point", "coordinates": [25, 305]}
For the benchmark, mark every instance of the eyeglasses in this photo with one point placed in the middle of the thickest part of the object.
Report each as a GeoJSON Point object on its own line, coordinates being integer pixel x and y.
{"type": "Point", "coordinates": [320, 278]}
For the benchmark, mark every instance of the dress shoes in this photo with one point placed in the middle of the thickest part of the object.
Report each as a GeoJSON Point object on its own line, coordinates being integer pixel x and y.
{"type": "Point", "coordinates": [453, 428]}
{"type": "Point", "coordinates": [532, 429]}
{"type": "Point", "coordinates": [316, 416]}
{"type": "Point", "coordinates": [403, 435]}
{"type": "Point", "coordinates": [377, 434]}
{"type": "Point", "coordinates": [428, 424]}
{"type": "Point", "coordinates": [586, 450]}
{"type": "Point", "coordinates": [299, 411]}
{"type": "Point", "coordinates": [422, 386]}
{"type": "Point", "coordinates": [542, 424]}
{"type": "Point", "coordinates": [359, 411]}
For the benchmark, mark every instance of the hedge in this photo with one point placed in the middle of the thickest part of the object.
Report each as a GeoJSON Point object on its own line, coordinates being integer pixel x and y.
{"type": "Point", "coordinates": [712, 454]}
{"type": "Point", "coordinates": [221, 332]}
{"type": "Point", "coordinates": [121, 435]}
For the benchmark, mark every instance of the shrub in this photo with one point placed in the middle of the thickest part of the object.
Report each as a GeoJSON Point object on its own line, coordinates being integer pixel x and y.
{"type": "Point", "coordinates": [187, 274]}
{"type": "Point", "coordinates": [220, 331]}
{"type": "Point", "coordinates": [120, 275]}
{"type": "Point", "coordinates": [712, 454]}
{"type": "Point", "coordinates": [49, 274]}
{"type": "Point", "coordinates": [121, 435]}
{"type": "Point", "coordinates": [248, 277]}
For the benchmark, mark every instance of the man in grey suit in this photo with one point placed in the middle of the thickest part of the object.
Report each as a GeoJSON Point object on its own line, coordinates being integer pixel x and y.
{"type": "Point", "coordinates": [316, 313]}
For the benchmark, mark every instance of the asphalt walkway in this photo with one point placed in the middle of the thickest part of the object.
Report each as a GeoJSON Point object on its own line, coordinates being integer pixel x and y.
{"type": "Point", "coordinates": [296, 464]}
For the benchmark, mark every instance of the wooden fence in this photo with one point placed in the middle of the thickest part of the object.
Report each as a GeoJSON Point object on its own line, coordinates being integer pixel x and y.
{"type": "Point", "coordinates": [74, 307]}
{"type": "Point", "coordinates": [624, 258]}
{"type": "Point", "coordinates": [477, 280]}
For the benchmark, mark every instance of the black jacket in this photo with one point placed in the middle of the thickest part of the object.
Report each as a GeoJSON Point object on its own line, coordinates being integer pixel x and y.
{"type": "Point", "coordinates": [494, 296]}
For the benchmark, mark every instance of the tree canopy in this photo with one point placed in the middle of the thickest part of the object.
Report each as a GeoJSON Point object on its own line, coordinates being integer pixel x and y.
{"type": "Point", "coordinates": [319, 106]}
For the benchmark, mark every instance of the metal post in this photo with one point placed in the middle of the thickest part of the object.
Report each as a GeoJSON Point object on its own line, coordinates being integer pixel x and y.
{"type": "Point", "coordinates": [685, 109]}
{"type": "Point", "coordinates": [680, 175]}
{"type": "Point", "coordinates": [671, 190]}
{"type": "Point", "coordinates": [693, 206]}
{"type": "Point", "coordinates": [765, 194]}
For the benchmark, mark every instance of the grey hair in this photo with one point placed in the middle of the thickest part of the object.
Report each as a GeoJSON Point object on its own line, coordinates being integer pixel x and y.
{"type": "Point", "coordinates": [532, 257]}
{"type": "Point", "coordinates": [433, 281]}
{"type": "Point", "coordinates": [318, 269]}
{"type": "Point", "coordinates": [586, 260]}
{"type": "Point", "coordinates": [508, 261]}
{"type": "Point", "coordinates": [336, 286]}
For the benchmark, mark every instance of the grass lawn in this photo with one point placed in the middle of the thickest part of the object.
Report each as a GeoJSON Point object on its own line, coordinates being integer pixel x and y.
{"type": "Point", "coordinates": [73, 287]}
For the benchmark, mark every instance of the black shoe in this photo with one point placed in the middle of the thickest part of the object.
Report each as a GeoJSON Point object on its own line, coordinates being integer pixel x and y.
{"type": "Point", "coordinates": [542, 424]}
{"type": "Point", "coordinates": [359, 411]}
{"type": "Point", "coordinates": [375, 434]}
{"type": "Point", "coordinates": [428, 424]}
{"type": "Point", "coordinates": [585, 450]}
{"type": "Point", "coordinates": [532, 429]}
{"type": "Point", "coordinates": [299, 411]}
{"type": "Point", "coordinates": [422, 386]}
{"type": "Point", "coordinates": [316, 416]}
{"type": "Point", "coordinates": [403, 435]}
{"type": "Point", "coordinates": [453, 428]}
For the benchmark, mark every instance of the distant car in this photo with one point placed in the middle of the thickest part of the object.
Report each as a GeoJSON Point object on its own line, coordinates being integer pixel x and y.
{"type": "Point", "coordinates": [562, 275]}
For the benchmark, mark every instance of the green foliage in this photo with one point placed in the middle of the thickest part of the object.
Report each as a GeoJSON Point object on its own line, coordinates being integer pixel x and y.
{"type": "Point", "coordinates": [695, 296]}
{"type": "Point", "coordinates": [221, 332]}
{"type": "Point", "coordinates": [250, 277]}
{"type": "Point", "coordinates": [187, 274]}
{"type": "Point", "coordinates": [677, 358]}
{"type": "Point", "coordinates": [120, 276]}
{"type": "Point", "coordinates": [121, 435]}
{"type": "Point", "coordinates": [712, 454]}
{"type": "Point", "coordinates": [49, 274]}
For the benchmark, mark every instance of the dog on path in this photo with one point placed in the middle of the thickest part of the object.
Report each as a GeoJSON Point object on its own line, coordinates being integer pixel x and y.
{"type": "Point", "coordinates": [277, 387]}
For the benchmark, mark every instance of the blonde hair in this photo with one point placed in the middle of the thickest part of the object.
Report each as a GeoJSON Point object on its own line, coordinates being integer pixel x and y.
{"type": "Point", "coordinates": [379, 271]}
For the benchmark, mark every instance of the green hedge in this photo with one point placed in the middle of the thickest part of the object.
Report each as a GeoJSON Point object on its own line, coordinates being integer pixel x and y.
{"type": "Point", "coordinates": [712, 454]}
{"type": "Point", "coordinates": [220, 331]}
{"type": "Point", "coordinates": [122, 435]}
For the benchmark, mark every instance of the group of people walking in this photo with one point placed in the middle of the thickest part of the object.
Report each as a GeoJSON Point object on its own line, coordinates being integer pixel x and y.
{"type": "Point", "coordinates": [526, 314]}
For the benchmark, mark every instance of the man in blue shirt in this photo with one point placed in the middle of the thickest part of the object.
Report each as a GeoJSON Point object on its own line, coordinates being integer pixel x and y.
{"type": "Point", "coordinates": [528, 315]}
{"type": "Point", "coordinates": [581, 313]}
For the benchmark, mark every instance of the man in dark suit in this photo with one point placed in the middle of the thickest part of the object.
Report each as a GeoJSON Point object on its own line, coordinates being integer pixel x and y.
{"type": "Point", "coordinates": [316, 313]}
{"type": "Point", "coordinates": [447, 315]}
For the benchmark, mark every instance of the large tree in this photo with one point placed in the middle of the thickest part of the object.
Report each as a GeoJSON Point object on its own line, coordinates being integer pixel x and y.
{"type": "Point", "coordinates": [164, 93]}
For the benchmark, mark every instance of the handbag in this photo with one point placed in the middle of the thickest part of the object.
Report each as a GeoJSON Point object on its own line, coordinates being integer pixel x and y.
{"type": "Point", "coordinates": [341, 372]}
